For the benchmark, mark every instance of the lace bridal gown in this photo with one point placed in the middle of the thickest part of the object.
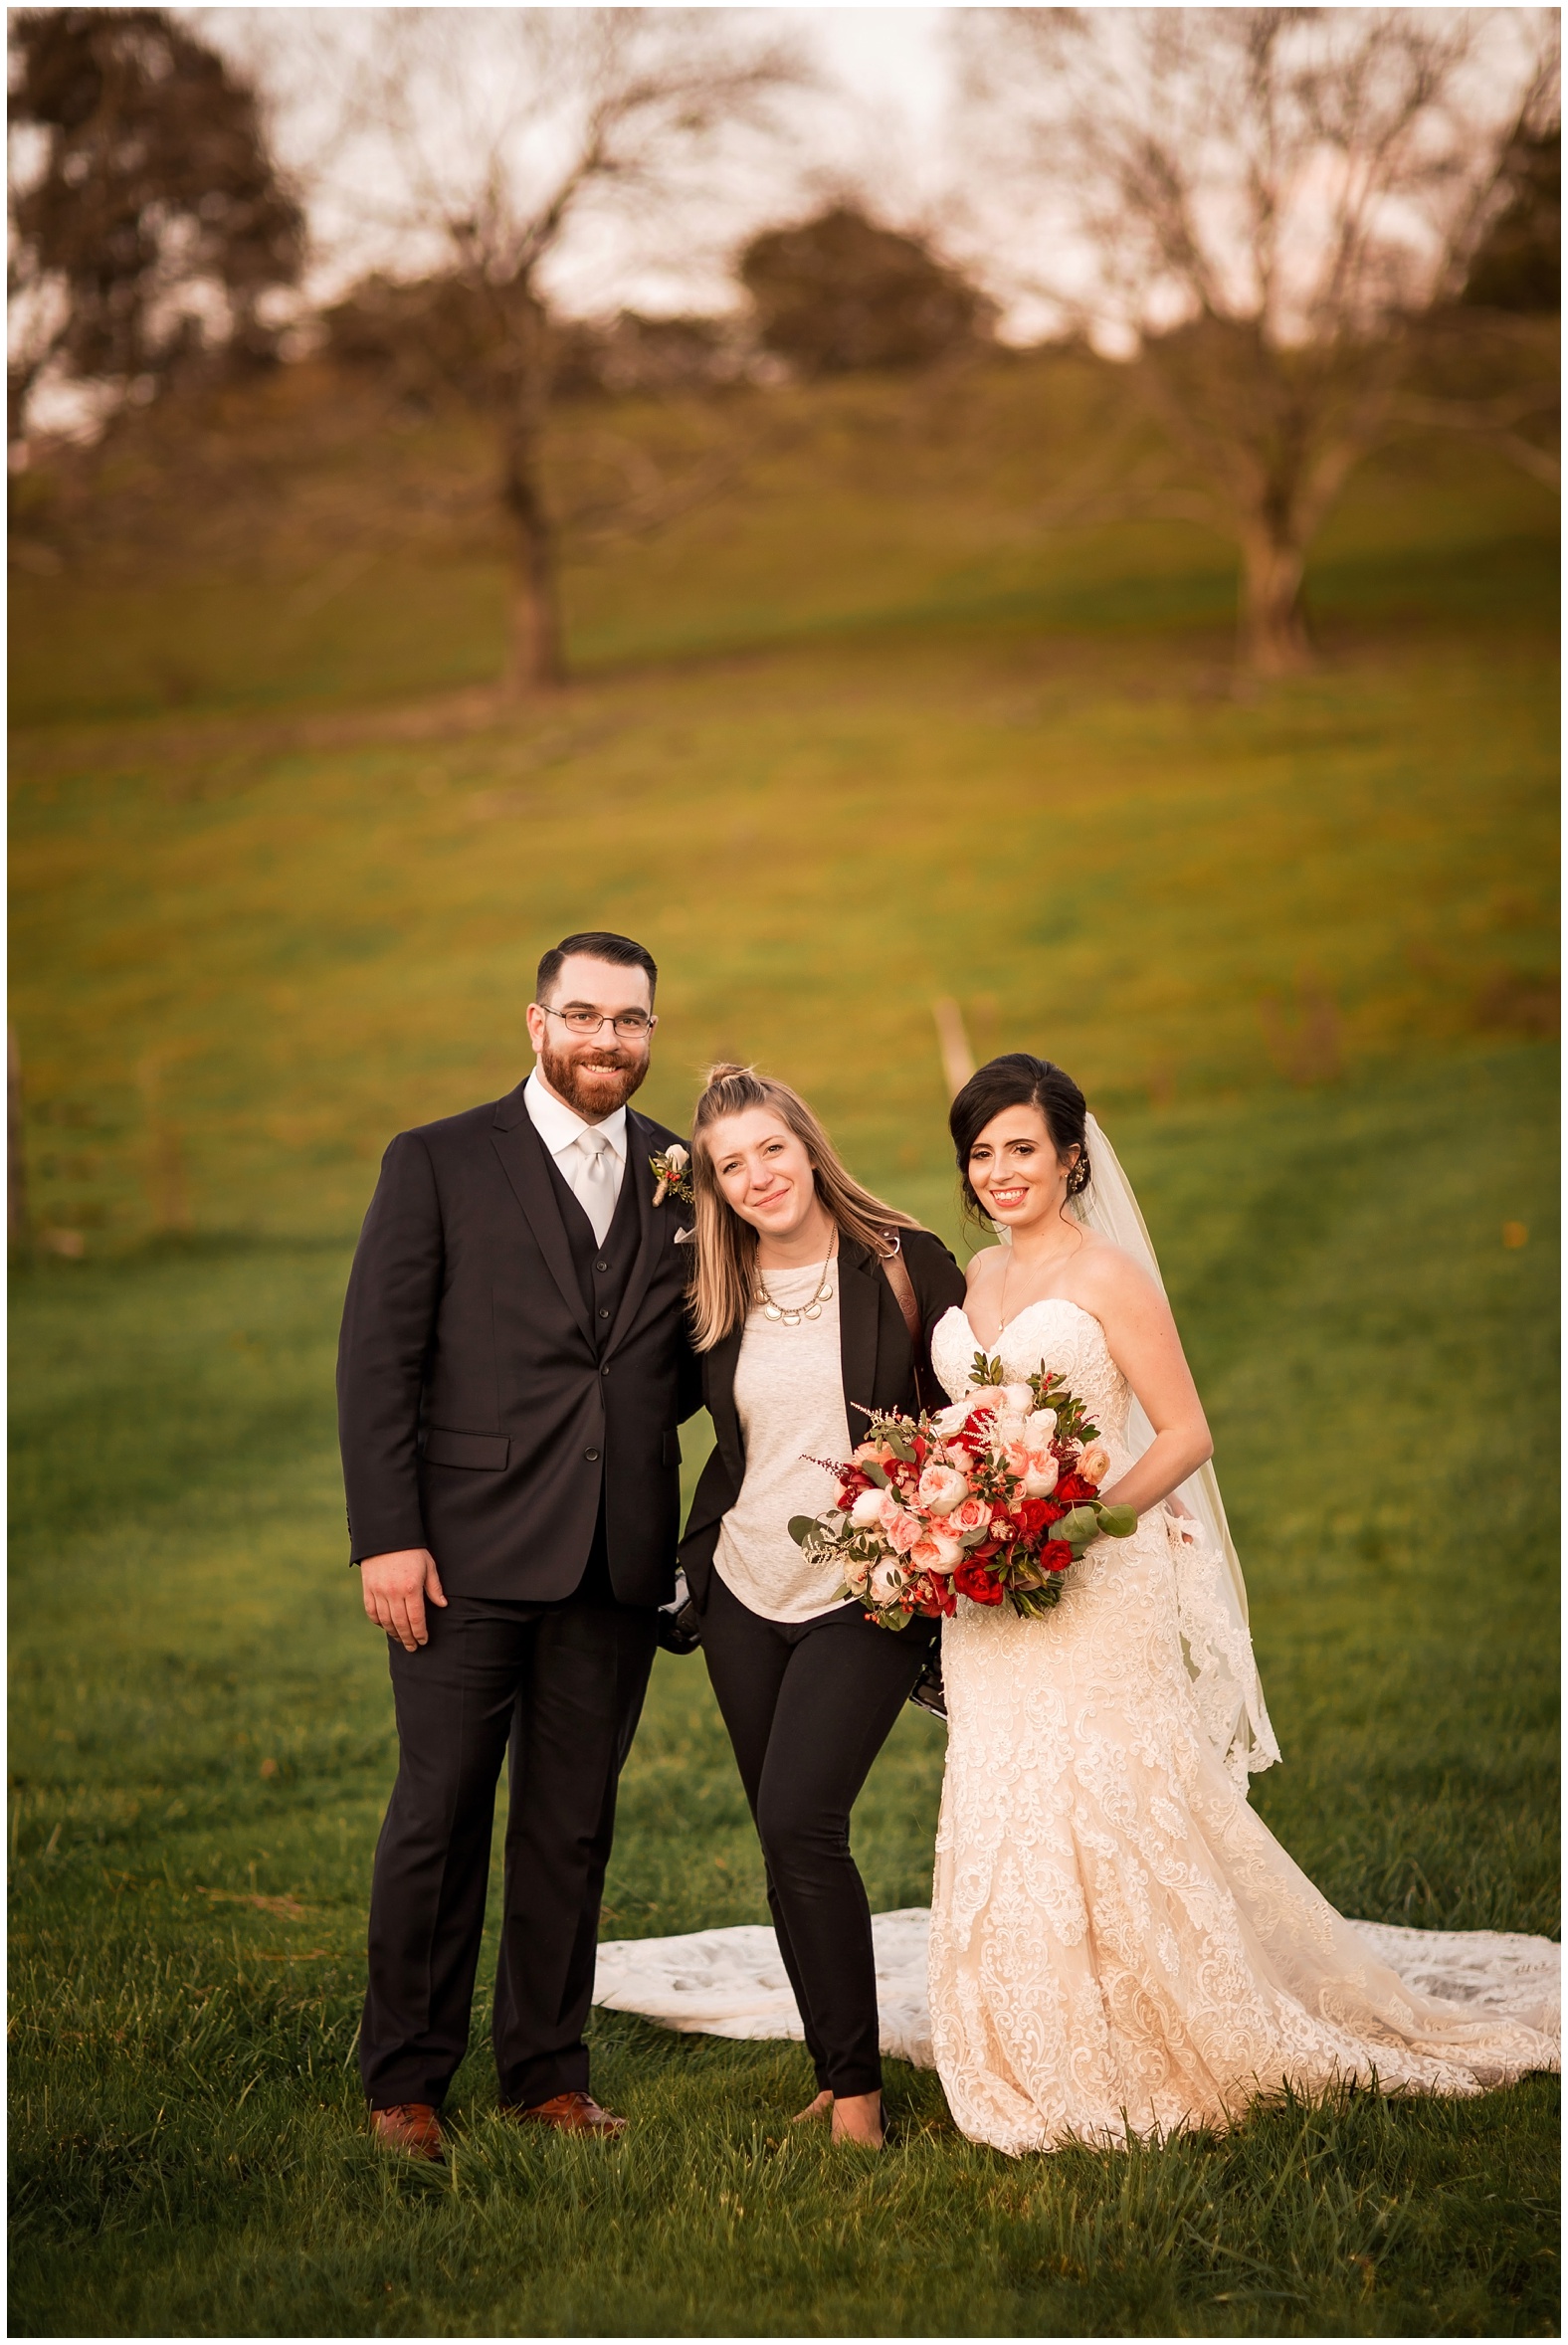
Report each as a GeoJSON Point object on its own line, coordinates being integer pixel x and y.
{"type": "Point", "coordinates": [1117, 1940]}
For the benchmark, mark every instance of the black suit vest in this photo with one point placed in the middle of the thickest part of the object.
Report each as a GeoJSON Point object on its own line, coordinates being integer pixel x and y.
{"type": "Point", "coordinates": [602, 1270]}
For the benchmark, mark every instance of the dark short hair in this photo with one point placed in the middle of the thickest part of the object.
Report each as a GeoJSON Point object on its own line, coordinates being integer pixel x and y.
{"type": "Point", "coordinates": [1018, 1081]}
{"type": "Point", "coordinates": [600, 944]}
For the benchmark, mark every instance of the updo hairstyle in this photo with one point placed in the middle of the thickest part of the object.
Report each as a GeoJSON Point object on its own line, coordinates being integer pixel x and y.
{"type": "Point", "coordinates": [1018, 1081]}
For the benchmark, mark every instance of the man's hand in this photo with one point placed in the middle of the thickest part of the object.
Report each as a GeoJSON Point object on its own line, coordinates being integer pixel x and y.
{"type": "Point", "coordinates": [395, 1588]}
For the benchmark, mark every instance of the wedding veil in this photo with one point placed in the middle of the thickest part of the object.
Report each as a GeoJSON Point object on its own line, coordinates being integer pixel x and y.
{"type": "Point", "coordinates": [1211, 1594]}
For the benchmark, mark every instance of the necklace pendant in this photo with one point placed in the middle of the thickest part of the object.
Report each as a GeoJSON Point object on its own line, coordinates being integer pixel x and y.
{"type": "Point", "coordinates": [825, 1294]}
{"type": "Point", "coordinates": [813, 1311]}
{"type": "Point", "coordinates": [770, 1310]}
{"type": "Point", "coordinates": [792, 1319]}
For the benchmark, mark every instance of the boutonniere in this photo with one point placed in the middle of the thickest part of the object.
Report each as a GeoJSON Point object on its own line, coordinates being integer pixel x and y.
{"type": "Point", "coordinates": [672, 1173]}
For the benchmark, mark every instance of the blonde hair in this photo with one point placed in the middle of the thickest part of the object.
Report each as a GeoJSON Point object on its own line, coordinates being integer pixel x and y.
{"type": "Point", "coordinates": [726, 1283]}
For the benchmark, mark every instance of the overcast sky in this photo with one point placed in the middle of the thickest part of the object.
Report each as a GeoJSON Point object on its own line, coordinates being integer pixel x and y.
{"type": "Point", "coordinates": [880, 120]}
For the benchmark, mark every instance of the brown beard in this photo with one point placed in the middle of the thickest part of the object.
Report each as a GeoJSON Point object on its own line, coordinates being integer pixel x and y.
{"type": "Point", "coordinates": [593, 1101]}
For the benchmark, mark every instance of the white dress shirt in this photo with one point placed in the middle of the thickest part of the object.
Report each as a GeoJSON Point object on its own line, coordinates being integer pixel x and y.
{"type": "Point", "coordinates": [561, 1128]}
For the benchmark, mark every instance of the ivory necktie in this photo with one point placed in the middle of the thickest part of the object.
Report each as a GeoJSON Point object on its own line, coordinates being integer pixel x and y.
{"type": "Point", "coordinates": [593, 1179]}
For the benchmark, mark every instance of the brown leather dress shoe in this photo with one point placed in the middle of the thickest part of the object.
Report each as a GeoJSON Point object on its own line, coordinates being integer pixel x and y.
{"type": "Point", "coordinates": [570, 2112]}
{"type": "Point", "coordinates": [411, 2125]}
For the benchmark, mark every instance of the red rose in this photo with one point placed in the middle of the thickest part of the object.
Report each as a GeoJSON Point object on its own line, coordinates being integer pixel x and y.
{"type": "Point", "coordinates": [1055, 1555]}
{"type": "Point", "coordinates": [1072, 1490]}
{"type": "Point", "coordinates": [971, 1579]}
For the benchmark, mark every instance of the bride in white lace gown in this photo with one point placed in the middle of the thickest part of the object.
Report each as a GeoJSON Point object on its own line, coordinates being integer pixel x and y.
{"type": "Point", "coordinates": [1117, 1942]}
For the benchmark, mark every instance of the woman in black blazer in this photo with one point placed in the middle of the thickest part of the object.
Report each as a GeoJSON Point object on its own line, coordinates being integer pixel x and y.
{"type": "Point", "coordinates": [801, 1330]}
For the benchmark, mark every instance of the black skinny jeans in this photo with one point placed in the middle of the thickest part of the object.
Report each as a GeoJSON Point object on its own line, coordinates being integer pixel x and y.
{"type": "Point", "coordinates": [808, 1705]}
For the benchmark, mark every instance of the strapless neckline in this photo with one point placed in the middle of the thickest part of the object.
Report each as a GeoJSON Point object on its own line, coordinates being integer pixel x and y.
{"type": "Point", "coordinates": [1053, 1333]}
{"type": "Point", "coordinates": [1046, 1302]}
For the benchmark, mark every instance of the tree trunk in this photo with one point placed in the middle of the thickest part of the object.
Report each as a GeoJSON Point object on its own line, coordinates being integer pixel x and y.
{"type": "Point", "coordinates": [535, 660]}
{"type": "Point", "coordinates": [1273, 639]}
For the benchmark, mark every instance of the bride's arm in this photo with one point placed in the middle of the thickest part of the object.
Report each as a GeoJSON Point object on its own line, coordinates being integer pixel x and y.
{"type": "Point", "coordinates": [1145, 1346]}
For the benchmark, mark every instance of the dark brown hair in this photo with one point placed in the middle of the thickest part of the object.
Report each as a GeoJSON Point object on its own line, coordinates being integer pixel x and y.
{"type": "Point", "coordinates": [600, 944]}
{"type": "Point", "coordinates": [1018, 1081]}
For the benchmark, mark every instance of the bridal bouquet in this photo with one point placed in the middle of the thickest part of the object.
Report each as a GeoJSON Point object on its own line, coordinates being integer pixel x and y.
{"type": "Point", "coordinates": [991, 1498]}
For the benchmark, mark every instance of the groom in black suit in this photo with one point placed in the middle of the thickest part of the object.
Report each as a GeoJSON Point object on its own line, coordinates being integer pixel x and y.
{"type": "Point", "coordinates": [513, 1370]}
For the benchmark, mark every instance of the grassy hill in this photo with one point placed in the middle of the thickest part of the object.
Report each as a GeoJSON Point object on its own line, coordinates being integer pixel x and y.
{"type": "Point", "coordinates": [857, 735]}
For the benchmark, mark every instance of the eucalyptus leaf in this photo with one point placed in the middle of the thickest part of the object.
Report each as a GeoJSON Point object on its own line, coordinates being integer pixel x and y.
{"type": "Point", "coordinates": [1079, 1527]}
{"type": "Point", "coordinates": [804, 1529]}
{"type": "Point", "coordinates": [1117, 1523]}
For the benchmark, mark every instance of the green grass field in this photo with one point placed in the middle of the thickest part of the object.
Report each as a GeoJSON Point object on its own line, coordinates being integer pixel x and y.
{"type": "Point", "coordinates": [852, 741]}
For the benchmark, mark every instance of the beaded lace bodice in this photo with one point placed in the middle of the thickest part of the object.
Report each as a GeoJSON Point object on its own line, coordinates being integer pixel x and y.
{"type": "Point", "coordinates": [1056, 1334]}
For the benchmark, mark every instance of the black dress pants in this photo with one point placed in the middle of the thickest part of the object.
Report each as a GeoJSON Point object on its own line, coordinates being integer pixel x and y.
{"type": "Point", "coordinates": [564, 1684]}
{"type": "Point", "coordinates": [808, 1705]}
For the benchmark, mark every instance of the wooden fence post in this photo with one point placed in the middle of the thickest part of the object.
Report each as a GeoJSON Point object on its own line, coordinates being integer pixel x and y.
{"type": "Point", "coordinates": [958, 1063]}
{"type": "Point", "coordinates": [18, 1225]}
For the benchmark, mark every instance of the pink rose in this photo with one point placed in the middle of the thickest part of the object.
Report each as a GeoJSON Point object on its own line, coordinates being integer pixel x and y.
{"type": "Point", "coordinates": [902, 1529]}
{"type": "Point", "coordinates": [969, 1520]}
{"type": "Point", "coordinates": [937, 1553]}
{"type": "Point", "coordinates": [1039, 1474]}
{"type": "Point", "coordinates": [1095, 1464]}
{"type": "Point", "coordinates": [942, 1488]}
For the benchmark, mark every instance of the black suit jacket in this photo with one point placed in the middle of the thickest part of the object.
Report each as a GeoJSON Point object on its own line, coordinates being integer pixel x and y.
{"type": "Point", "coordinates": [477, 1414]}
{"type": "Point", "coordinates": [879, 1373]}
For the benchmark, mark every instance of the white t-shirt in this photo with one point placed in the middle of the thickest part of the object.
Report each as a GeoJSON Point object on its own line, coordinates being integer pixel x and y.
{"type": "Point", "coordinates": [789, 1397]}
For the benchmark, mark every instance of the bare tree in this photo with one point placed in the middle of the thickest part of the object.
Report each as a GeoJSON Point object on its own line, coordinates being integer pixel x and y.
{"type": "Point", "coordinates": [1261, 204]}
{"type": "Point", "coordinates": [503, 131]}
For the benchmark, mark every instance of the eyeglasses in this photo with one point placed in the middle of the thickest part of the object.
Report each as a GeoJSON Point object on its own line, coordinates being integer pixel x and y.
{"type": "Point", "coordinates": [630, 1026]}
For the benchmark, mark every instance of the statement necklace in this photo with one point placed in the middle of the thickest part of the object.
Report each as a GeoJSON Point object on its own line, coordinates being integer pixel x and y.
{"type": "Point", "coordinates": [792, 1315]}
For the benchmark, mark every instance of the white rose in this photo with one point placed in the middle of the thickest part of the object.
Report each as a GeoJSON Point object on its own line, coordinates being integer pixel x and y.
{"type": "Point", "coordinates": [677, 1159]}
{"type": "Point", "coordinates": [868, 1509]}
{"type": "Point", "coordinates": [1038, 1425]}
{"type": "Point", "coordinates": [1017, 1399]}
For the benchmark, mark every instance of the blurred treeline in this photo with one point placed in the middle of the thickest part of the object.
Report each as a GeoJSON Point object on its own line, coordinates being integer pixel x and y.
{"type": "Point", "coordinates": [160, 250]}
